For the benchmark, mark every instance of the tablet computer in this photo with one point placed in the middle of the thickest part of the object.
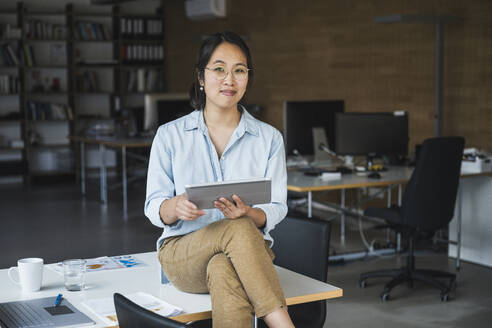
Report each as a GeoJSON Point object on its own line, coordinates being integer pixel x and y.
{"type": "Point", "coordinates": [251, 192]}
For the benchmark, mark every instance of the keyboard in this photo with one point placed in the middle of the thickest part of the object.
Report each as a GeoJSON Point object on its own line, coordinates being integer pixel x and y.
{"type": "Point", "coordinates": [20, 315]}
{"type": "Point", "coordinates": [318, 171]}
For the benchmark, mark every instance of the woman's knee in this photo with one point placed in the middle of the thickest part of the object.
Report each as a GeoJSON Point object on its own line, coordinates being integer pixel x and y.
{"type": "Point", "coordinates": [244, 228]}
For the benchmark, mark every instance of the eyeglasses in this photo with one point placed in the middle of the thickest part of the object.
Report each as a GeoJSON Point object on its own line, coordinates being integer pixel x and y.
{"type": "Point", "coordinates": [220, 72]}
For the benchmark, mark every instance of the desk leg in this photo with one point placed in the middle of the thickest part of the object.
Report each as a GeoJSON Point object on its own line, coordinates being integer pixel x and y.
{"type": "Point", "coordinates": [102, 175]}
{"type": "Point", "coordinates": [458, 230]}
{"type": "Point", "coordinates": [342, 224]}
{"type": "Point", "coordinates": [388, 204]}
{"type": "Point", "coordinates": [310, 204]}
{"type": "Point", "coordinates": [82, 168]}
{"type": "Point", "coordinates": [123, 173]}
{"type": "Point", "coordinates": [398, 235]}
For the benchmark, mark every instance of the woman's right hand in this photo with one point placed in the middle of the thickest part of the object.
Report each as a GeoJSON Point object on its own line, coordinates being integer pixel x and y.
{"type": "Point", "coordinates": [186, 210]}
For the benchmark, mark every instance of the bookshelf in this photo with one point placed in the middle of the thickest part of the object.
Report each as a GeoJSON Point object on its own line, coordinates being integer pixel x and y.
{"type": "Point", "coordinates": [12, 151]}
{"type": "Point", "coordinates": [60, 69]}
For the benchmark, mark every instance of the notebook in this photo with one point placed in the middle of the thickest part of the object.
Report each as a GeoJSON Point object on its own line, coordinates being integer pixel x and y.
{"type": "Point", "coordinates": [41, 313]}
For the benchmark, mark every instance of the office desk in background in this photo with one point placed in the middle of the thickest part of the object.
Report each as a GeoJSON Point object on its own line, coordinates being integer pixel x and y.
{"type": "Point", "coordinates": [299, 182]}
{"type": "Point", "coordinates": [101, 284]}
{"type": "Point", "coordinates": [117, 143]}
{"type": "Point", "coordinates": [395, 176]}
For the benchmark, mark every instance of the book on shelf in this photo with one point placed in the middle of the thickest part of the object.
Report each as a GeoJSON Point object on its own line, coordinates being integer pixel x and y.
{"type": "Point", "coordinates": [38, 30]}
{"type": "Point", "coordinates": [9, 84]}
{"type": "Point", "coordinates": [28, 53]}
{"type": "Point", "coordinates": [87, 82]}
{"type": "Point", "coordinates": [10, 155]}
{"type": "Point", "coordinates": [8, 56]}
{"type": "Point", "coordinates": [10, 32]}
{"type": "Point", "coordinates": [91, 31]}
{"type": "Point", "coordinates": [17, 143]}
{"type": "Point", "coordinates": [40, 111]}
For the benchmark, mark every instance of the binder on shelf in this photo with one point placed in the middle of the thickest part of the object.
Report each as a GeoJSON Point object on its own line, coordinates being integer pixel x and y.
{"type": "Point", "coordinates": [143, 80]}
{"type": "Point", "coordinates": [142, 53]}
{"type": "Point", "coordinates": [139, 28]}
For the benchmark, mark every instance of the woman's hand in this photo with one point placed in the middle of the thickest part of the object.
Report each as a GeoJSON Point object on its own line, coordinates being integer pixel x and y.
{"type": "Point", "coordinates": [231, 210]}
{"type": "Point", "coordinates": [186, 210]}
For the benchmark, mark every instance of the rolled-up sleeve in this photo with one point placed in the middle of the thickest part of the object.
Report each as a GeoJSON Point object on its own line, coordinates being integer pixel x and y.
{"type": "Point", "coordinates": [276, 170]}
{"type": "Point", "coordinates": [160, 182]}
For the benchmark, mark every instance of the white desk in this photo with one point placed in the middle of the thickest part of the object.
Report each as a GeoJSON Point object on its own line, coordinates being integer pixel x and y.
{"type": "Point", "coordinates": [297, 288]}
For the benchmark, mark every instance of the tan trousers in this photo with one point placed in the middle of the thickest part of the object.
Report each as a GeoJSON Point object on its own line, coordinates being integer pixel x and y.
{"type": "Point", "coordinates": [230, 260]}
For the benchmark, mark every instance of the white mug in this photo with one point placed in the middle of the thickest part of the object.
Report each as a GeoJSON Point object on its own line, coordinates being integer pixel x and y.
{"type": "Point", "coordinates": [30, 273]}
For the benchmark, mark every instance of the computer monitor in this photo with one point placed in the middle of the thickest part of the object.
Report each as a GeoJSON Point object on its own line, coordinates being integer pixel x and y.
{"type": "Point", "coordinates": [371, 134]}
{"type": "Point", "coordinates": [300, 117]}
{"type": "Point", "coordinates": [161, 108]}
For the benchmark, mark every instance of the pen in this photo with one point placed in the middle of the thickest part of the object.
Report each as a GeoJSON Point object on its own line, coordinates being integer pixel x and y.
{"type": "Point", "coordinates": [58, 300]}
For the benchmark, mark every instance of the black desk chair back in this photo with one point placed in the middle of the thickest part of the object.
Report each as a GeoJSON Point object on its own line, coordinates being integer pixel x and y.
{"type": "Point", "coordinates": [427, 206]}
{"type": "Point", "coordinates": [131, 315]}
{"type": "Point", "coordinates": [430, 196]}
{"type": "Point", "coordinates": [302, 245]}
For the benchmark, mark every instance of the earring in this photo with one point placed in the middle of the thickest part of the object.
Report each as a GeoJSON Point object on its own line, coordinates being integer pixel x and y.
{"type": "Point", "coordinates": [201, 88]}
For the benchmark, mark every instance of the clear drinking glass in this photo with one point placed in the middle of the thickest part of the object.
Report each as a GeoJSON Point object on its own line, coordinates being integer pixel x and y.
{"type": "Point", "coordinates": [74, 274]}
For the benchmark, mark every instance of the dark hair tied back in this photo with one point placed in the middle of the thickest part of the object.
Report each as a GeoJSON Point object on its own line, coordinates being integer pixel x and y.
{"type": "Point", "coordinates": [197, 96]}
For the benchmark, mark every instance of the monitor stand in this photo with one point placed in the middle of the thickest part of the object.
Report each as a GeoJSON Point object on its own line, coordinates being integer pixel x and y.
{"type": "Point", "coordinates": [321, 158]}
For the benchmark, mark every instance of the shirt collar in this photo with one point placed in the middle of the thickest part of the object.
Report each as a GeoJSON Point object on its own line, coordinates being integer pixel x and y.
{"type": "Point", "coordinates": [247, 123]}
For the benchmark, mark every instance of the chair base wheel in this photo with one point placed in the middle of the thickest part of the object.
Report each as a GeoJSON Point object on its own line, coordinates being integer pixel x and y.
{"type": "Point", "coordinates": [385, 296]}
{"type": "Point", "coordinates": [444, 297]}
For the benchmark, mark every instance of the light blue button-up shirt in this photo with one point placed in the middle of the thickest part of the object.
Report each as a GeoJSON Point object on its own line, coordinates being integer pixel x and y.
{"type": "Point", "coordinates": [182, 153]}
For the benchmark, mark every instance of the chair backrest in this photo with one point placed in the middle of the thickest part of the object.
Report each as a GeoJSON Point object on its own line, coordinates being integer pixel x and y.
{"type": "Point", "coordinates": [133, 315]}
{"type": "Point", "coordinates": [301, 244]}
{"type": "Point", "coordinates": [430, 197]}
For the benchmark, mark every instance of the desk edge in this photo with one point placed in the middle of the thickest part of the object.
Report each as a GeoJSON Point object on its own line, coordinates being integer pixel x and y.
{"type": "Point", "coordinates": [187, 317]}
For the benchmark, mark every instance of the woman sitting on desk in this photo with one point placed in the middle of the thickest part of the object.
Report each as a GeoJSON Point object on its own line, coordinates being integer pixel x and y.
{"type": "Point", "coordinates": [223, 251]}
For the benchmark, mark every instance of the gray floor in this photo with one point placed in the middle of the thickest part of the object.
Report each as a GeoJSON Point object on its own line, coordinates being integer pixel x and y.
{"type": "Point", "coordinates": [54, 222]}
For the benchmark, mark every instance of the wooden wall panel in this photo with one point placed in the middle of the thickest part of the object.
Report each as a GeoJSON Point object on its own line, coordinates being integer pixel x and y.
{"type": "Point", "coordinates": [320, 49]}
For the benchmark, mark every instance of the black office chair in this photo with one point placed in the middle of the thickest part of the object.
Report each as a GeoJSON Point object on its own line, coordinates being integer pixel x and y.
{"type": "Point", "coordinates": [131, 315]}
{"type": "Point", "coordinates": [302, 245]}
{"type": "Point", "coordinates": [427, 206]}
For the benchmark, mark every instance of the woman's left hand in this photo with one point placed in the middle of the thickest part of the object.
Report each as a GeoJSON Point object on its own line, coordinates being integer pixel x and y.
{"type": "Point", "coordinates": [231, 210]}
